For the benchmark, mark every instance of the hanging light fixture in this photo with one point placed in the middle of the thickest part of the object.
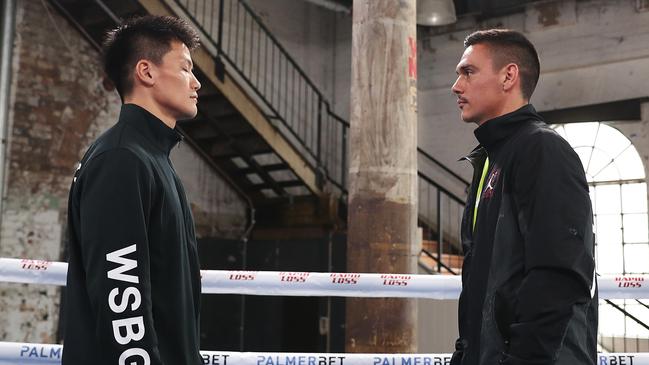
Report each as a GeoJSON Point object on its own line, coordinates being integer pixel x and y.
{"type": "Point", "coordinates": [435, 12]}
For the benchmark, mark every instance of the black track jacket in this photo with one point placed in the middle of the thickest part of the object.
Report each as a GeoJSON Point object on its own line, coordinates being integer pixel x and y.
{"type": "Point", "coordinates": [133, 285]}
{"type": "Point", "coordinates": [528, 289]}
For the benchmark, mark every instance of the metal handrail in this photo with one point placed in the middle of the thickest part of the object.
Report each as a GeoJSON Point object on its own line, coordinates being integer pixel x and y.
{"type": "Point", "coordinates": [284, 88]}
{"type": "Point", "coordinates": [319, 129]}
{"type": "Point", "coordinates": [440, 192]}
{"type": "Point", "coordinates": [431, 182]}
{"type": "Point", "coordinates": [439, 261]}
{"type": "Point", "coordinates": [241, 39]}
{"type": "Point", "coordinates": [634, 318]}
{"type": "Point", "coordinates": [443, 167]}
{"type": "Point", "coordinates": [627, 315]}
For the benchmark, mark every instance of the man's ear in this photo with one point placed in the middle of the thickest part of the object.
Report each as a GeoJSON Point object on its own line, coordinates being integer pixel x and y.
{"type": "Point", "coordinates": [510, 77]}
{"type": "Point", "coordinates": [145, 73]}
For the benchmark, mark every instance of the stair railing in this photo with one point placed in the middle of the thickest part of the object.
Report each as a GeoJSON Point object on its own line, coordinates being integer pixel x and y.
{"type": "Point", "coordinates": [301, 112]}
{"type": "Point", "coordinates": [286, 94]}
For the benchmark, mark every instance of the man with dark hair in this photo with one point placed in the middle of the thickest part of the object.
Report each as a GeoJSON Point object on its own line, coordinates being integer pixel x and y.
{"type": "Point", "coordinates": [529, 294]}
{"type": "Point", "coordinates": [133, 286]}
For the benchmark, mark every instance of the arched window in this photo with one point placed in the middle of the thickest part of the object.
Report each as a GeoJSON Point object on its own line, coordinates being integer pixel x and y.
{"type": "Point", "coordinates": [618, 192]}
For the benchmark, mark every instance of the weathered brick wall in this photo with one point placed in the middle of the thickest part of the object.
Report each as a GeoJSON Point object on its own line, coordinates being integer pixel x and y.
{"type": "Point", "coordinates": [58, 107]}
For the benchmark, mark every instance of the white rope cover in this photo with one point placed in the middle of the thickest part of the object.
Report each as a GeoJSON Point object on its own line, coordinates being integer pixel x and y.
{"type": "Point", "coordinates": [12, 353]}
{"type": "Point", "coordinates": [317, 284]}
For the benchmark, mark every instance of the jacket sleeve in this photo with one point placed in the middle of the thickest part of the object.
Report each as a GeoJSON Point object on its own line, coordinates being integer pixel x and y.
{"type": "Point", "coordinates": [456, 357]}
{"type": "Point", "coordinates": [114, 208]}
{"type": "Point", "coordinates": [555, 219]}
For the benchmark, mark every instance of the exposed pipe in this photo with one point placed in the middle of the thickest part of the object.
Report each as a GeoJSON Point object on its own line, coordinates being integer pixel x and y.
{"type": "Point", "coordinates": [332, 5]}
{"type": "Point", "coordinates": [6, 44]}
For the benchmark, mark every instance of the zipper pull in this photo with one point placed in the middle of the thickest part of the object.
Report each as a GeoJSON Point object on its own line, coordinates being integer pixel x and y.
{"type": "Point", "coordinates": [180, 140]}
{"type": "Point", "coordinates": [76, 172]}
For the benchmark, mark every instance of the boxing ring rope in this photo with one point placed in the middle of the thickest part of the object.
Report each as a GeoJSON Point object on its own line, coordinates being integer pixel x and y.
{"type": "Point", "coordinates": [12, 353]}
{"type": "Point", "coordinates": [280, 283]}
{"type": "Point", "coordinates": [276, 283]}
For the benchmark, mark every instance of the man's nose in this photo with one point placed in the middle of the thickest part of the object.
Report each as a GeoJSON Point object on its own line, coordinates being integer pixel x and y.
{"type": "Point", "coordinates": [456, 87]}
{"type": "Point", "coordinates": [196, 84]}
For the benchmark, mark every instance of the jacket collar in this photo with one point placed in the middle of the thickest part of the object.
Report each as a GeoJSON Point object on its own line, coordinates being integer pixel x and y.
{"type": "Point", "coordinates": [476, 157]}
{"type": "Point", "coordinates": [154, 129]}
{"type": "Point", "coordinates": [499, 128]}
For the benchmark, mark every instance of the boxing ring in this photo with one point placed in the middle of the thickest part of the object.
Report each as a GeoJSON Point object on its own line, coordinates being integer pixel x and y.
{"type": "Point", "coordinates": [279, 283]}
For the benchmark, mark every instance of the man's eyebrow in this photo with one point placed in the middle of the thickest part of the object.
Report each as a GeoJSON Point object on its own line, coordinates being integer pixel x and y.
{"type": "Point", "coordinates": [463, 68]}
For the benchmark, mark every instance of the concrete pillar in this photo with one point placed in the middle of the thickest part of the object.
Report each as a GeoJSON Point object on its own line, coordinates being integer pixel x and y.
{"type": "Point", "coordinates": [383, 171]}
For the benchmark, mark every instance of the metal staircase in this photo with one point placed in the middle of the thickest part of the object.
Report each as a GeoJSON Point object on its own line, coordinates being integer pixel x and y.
{"type": "Point", "coordinates": [263, 124]}
{"type": "Point", "coordinates": [289, 103]}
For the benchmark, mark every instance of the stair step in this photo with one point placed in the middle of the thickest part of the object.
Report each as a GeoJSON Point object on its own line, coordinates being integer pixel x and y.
{"type": "Point", "coordinates": [216, 105]}
{"type": "Point", "coordinates": [227, 154]}
{"type": "Point", "coordinates": [245, 146]}
{"type": "Point", "coordinates": [623, 344]}
{"type": "Point", "coordinates": [206, 129]}
{"type": "Point", "coordinates": [430, 246]}
{"type": "Point", "coordinates": [198, 130]}
{"type": "Point", "coordinates": [269, 168]}
{"type": "Point", "coordinates": [283, 184]}
{"type": "Point", "coordinates": [452, 261]}
{"type": "Point", "coordinates": [234, 126]}
{"type": "Point", "coordinates": [210, 94]}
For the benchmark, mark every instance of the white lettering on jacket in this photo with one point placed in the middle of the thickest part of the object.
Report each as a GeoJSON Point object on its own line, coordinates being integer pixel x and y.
{"type": "Point", "coordinates": [121, 307]}
{"type": "Point", "coordinates": [133, 328]}
{"type": "Point", "coordinates": [134, 352]}
{"type": "Point", "coordinates": [125, 265]}
{"type": "Point", "coordinates": [128, 329]}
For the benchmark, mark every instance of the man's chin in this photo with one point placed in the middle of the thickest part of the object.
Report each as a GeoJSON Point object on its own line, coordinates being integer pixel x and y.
{"type": "Point", "coordinates": [189, 115]}
{"type": "Point", "coordinates": [466, 118]}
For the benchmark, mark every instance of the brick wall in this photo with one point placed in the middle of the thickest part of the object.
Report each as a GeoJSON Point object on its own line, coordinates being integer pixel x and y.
{"type": "Point", "coordinates": [58, 106]}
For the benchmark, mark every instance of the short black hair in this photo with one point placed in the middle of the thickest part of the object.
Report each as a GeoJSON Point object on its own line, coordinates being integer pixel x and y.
{"type": "Point", "coordinates": [509, 46]}
{"type": "Point", "coordinates": [148, 37]}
